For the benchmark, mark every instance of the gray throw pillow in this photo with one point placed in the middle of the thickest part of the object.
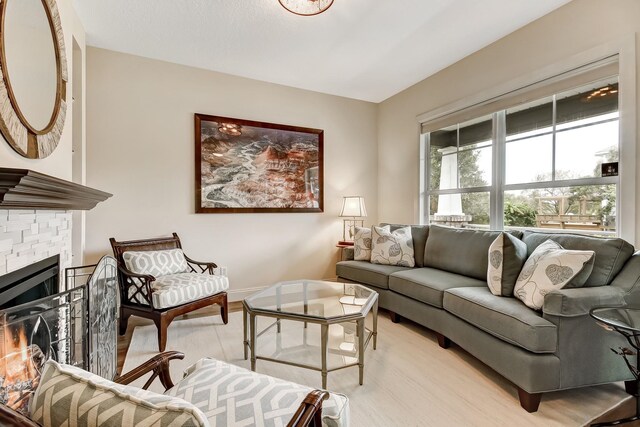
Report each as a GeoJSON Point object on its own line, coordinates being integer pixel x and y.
{"type": "Point", "coordinates": [507, 254]}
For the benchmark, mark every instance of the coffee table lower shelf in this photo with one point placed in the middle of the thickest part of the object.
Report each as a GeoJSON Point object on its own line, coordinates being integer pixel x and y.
{"type": "Point", "coordinates": [364, 336]}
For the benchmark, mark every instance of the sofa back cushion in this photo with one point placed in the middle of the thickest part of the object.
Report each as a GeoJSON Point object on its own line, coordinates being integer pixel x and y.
{"type": "Point", "coordinates": [67, 395]}
{"type": "Point", "coordinates": [611, 254]}
{"type": "Point", "coordinates": [462, 251]}
{"type": "Point", "coordinates": [419, 234]}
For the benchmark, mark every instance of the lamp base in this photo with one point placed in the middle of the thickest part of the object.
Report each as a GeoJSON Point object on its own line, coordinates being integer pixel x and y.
{"type": "Point", "coordinates": [349, 229]}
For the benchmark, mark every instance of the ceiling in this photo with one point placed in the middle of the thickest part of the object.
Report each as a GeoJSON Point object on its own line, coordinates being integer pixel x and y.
{"type": "Point", "coordinates": [362, 49]}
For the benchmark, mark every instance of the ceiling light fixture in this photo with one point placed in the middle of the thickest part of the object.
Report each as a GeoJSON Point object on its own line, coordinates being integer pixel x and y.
{"type": "Point", "coordinates": [306, 7]}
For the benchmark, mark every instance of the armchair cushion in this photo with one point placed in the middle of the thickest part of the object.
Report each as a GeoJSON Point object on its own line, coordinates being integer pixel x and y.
{"type": "Point", "coordinates": [156, 263]}
{"type": "Point", "coordinates": [230, 395]}
{"type": "Point", "coordinates": [176, 289]}
{"type": "Point", "coordinates": [68, 395]}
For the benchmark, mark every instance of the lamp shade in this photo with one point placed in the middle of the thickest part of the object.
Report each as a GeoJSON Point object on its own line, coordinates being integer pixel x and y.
{"type": "Point", "coordinates": [353, 206]}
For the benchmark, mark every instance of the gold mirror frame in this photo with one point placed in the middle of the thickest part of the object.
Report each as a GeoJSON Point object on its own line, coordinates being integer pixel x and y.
{"type": "Point", "coordinates": [19, 133]}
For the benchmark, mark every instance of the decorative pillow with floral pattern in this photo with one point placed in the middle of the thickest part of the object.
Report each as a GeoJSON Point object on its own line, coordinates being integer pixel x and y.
{"type": "Point", "coordinates": [392, 248]}
{"type": "Point", "coordinates": [550, 267]}
{"type": "Point", "coordinates": [362, 243]}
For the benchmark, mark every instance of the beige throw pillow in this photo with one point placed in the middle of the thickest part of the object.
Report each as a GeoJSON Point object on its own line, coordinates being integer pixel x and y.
{"type": "Point", "coordinates": [392, 248]}
{"type": "Point", "coordinates": [550, 267]}
{"type": "Point", "coordinates": [507, 254]}
{"type": "Point", "coordinates": [362, 243]}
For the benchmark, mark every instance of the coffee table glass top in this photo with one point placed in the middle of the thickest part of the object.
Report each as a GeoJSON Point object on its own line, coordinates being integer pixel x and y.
{"type": "Point", "coordinates": [623, 318]}
{"type": "Point", "coordinates": [313, 299]}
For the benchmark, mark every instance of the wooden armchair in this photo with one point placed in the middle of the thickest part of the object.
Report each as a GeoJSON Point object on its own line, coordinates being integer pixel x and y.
{"type": "Point", "coordinates": [308, 414]}
{"type": "Point", "coordinates": [162, 298]}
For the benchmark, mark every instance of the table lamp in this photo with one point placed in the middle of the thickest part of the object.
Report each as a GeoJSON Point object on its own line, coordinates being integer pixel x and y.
{"type": "Point", "coordinates": [352, 208]}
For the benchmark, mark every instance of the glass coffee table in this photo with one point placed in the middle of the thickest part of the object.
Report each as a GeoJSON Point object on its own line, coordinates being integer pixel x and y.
{"type": "Point", "coordinates": [339, 310]}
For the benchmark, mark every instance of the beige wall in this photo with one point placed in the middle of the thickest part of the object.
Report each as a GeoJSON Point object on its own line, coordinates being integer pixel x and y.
{"type": "Point", "coordinates": [59, 162]}
{"type": "Point", "coordinates": [572, 29]}
{"type": "Point", "coordinates": [141, 148]}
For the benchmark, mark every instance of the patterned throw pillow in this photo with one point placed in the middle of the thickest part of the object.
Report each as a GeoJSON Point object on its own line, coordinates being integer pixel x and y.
{"type": "Point", "coordinates": [392, 248]}
{"type": "Point", "coordinates": [71, 396]}
{"type": "Point", "coordinates": [507, 254]}
{"type": "Point", "coordinates": [156, 263]}
{"type": "Point", "coordinates": [362, 243]}
{"type": "Point", "coordinates": [550, 267]}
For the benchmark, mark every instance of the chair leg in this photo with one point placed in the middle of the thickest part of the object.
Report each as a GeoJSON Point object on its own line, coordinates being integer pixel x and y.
{"type": "Point", "coordinates": [224, 310]}
{"type": "Point", "coordinates": [123, 323]}
{"type": "Point", "coordinates": [162, 323]}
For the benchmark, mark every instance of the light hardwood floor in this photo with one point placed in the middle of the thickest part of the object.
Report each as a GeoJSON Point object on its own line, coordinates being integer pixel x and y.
{"type": "Point", "coordinates": [626, 409]}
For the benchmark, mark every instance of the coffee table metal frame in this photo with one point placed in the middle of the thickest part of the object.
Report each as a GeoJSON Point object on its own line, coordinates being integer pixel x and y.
{"type": "Point", "coordinates": [249, 315]}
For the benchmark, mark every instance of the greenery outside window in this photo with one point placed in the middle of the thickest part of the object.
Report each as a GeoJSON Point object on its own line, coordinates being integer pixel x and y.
{"type": "Point", "coordinates": [534, 165]}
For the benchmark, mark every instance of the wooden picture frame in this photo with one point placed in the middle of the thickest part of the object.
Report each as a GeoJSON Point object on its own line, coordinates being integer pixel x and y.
{"type": "Point", "coordinates": [244, 166]}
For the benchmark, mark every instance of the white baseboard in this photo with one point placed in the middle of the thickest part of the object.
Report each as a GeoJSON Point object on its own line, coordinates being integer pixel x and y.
{"type": "Point", "coordinates": [241, 294]}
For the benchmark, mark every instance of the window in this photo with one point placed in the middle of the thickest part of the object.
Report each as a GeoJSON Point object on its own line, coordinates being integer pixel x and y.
{"type": "Point", "coordinates": [537, 165]}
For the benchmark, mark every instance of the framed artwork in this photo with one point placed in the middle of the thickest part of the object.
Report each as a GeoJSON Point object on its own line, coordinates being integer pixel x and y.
{"type": "Point", "coordinates": [244, 166]}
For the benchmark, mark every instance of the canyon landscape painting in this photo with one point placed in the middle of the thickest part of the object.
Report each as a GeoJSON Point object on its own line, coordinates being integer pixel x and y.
{"type": "Point", "coordinates": [247, 166]}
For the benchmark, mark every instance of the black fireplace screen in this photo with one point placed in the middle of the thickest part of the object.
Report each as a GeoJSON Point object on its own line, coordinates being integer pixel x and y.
{"type": "Point", "coordinates": [76, 327]}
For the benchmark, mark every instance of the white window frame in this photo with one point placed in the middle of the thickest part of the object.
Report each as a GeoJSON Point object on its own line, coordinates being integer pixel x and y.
{"type": "Point", "coordinates": [625, 50]}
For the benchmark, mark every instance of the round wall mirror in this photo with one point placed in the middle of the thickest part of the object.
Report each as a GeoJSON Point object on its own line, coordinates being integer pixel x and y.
{"type": "Point", "coordinates": [34, 72]}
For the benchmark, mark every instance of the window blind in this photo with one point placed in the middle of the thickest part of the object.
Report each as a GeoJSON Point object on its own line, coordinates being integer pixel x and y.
{"type": "Point", "coordinates": [584, 75]}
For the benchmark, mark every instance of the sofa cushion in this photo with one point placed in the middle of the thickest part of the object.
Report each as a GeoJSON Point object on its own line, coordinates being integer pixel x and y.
{"type": "Point", "coordinates": [447, 246]}
{"type": "Point", "coordinates": [550, 267]}
{"type": "Point", "coordinates": [156, 263]}
{"type": "Point", "coordinates": [366, 273]}
{"type": "Point", "coordinates": [428, 284]}
{"type": "Point", "coordinates": [70, 396]}
{"type": "Point", "coordinates": [611, 254]}
{"type": "Point", "coordinates": [419, 234]}
{"type": "Point", "coordinates": [507, 254]}
{"type": "Point", "coordinates": [232, 396]}
{"type": "Point", "coordinates": [505, 318]}
{"type": "Point", "coordinates": [392, 248]}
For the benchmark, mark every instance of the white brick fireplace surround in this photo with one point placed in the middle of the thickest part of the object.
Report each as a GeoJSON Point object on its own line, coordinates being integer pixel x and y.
{"type": "Point", "coordinates": [28, 236]}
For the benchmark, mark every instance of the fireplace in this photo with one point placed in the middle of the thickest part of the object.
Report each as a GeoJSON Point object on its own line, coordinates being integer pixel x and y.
{"type": "Point", "coordinates": [76, 326]}
{"type": "Point", "coordinates": [30, 283]}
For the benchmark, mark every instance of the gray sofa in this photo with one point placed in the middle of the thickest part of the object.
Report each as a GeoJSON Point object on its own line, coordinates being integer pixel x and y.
{"type": "Point", "coordinates": [560, 348]}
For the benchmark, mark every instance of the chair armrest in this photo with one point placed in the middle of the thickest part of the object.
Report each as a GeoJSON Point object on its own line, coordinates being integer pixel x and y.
{"type": "Point", "coordinates": [203, 266]}
{"type": "Point", "coordinates": [12, 418]}
{"type": "Point", "coordinates": [309, 412]}
{"type": "Point", "coordinates": [158, 364]}
{"type": "Point", "coordinates": [576, 302]}
{"type": "Point", "coordinates": [139, 281]}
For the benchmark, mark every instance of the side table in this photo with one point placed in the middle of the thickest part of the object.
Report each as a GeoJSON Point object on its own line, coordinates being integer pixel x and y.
{"type": "Point", "coordinates": [625, 321]}
{"type": "Point", "coordinates": [343, 248]}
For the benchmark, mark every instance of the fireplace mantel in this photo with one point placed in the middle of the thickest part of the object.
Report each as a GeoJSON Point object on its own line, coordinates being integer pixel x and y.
{"type": "Point", "coordinates": [27, 189]}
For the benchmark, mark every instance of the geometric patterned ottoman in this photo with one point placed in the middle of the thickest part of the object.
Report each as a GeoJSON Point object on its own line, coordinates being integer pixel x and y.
{"type": "Point", "coordinates": [232, 396]}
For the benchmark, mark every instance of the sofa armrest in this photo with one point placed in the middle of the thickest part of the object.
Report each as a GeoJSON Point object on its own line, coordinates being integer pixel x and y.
{"type": "Point", "coordinates": [576, 302]}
